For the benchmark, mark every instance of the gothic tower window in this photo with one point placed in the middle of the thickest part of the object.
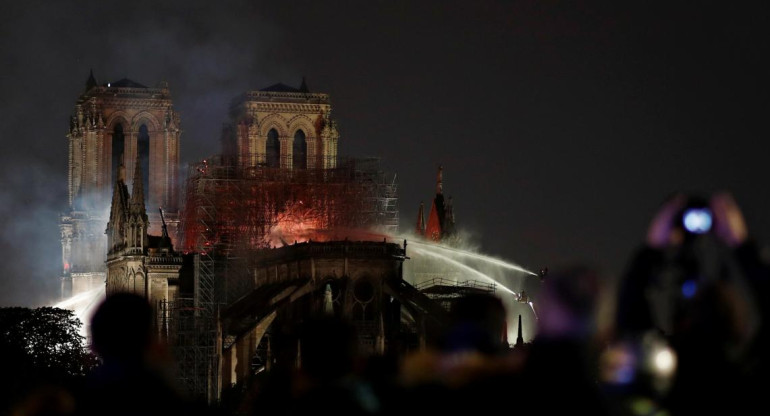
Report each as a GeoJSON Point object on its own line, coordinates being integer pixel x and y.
{"type": "Point", "coordinates": [273, 149]}
{"type": "Point", "coordinates": [118, 144]}
{"type": "Point", "coordinates": [143, 149]}
{"type": "Point", "coordinates": [299, 150]}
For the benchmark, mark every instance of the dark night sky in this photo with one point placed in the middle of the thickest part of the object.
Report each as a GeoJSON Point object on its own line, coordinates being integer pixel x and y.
{"type": "Point", "coordinates": [561, 125]}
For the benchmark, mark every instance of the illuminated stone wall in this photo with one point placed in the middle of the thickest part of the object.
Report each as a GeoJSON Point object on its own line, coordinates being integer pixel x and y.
{"type": "Point", "coordinates": [286, 111]}
{"type": "Point", "coordinates": [91, 171]}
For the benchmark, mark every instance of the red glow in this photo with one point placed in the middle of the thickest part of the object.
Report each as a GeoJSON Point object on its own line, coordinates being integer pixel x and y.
{"type": "Point", "coordinates": [66, 266]}
{"type": "Point", "coordinates": [275, 207]}
{"type": "Point", "coordinates": [433, 229]}
{"type": "Point", "coordinates": [297, 223]}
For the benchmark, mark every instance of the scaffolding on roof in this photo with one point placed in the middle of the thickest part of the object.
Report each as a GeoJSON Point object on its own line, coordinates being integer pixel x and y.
{"type": "Point", "coordinates": [231, 214]}
{"type": "Point", "coordinates": [260, 207]}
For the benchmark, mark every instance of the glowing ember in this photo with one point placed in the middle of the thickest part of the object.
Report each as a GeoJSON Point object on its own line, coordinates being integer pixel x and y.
{"type": "Point", "coordinates": [297, 224]}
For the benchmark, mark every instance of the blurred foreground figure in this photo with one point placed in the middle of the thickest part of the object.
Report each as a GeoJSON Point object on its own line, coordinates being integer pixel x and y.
{"type": "Point", "coordinates": [133, 378]}
{"type": "Point", "coordinates": [559, 369]}
{"type": "Point", "coordinates": [688, 314]}
{"type": "Point", "coordinates": [319, 375]}
{"type": "Point", "coordinates": [328, 380]}
{"type": "Point", "coordinates": [478, 325]}
{"type": "Point", "coordinates": [474, 369]}
{"type": "Point", "coordinates": [468, 366]}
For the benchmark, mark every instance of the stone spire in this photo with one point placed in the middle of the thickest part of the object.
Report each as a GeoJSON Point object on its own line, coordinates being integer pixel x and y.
{"type": "Point", "coordinates": [435, 227]}
{"type": "Point", "coordinates": [119, 212]}
{"type": "Point", "coordinates": [420, 229]}
{"type": "Point", "coordinates": [448, 227]}
{"type": "Point", "coordinates": [519, 337]}
{"type": "Point", "coordinates": [303, 87]}
{"type": "Point", "coordinates": [138, 221]}
{"type": "Point", "coordinates": [137, 191]}
{"type": "Point", "coordinates": [91, 82]}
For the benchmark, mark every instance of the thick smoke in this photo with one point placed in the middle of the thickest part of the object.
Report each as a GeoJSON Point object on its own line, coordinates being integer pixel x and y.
{"type": "Point", "coordinates": [30, 204]}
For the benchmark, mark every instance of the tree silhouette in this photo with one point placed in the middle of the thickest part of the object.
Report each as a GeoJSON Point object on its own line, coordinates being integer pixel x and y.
{"type": "Point", "coordinates": [40, 347]}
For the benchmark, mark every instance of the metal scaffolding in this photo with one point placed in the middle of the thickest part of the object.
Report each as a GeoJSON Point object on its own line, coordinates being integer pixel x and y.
{"type": "Point", "coordinates": [232, 213]}
{"type": "Point", "coordinates": [446, 291]}
{"type": "Point", "coordinates": [262, 207]}
{"type": "Point", "coordinates": [380, 199]}
{"type": "Point", "coordinates": [192, 338]}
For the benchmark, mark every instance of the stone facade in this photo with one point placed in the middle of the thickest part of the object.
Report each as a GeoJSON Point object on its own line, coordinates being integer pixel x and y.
{"type": "Point", "coordinates": [280, 130]}
{"type": "Point", "coordinates": [116, 122]}
{"type": "Point", "coordinates": [282, 127]}
{"type": "Point", "coordinates": [360, 282]}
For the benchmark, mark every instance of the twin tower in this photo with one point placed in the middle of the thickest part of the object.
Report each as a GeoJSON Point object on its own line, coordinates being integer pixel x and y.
{"type": "Point", "coordinates": [124, 126]}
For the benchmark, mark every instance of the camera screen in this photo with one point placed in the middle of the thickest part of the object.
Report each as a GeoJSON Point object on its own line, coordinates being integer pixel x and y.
{"type": "Point", "coordinates": [697, 220]}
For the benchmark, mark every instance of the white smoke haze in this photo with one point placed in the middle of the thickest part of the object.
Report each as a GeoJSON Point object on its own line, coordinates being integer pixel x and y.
{"type": "Point", "coordinates": [30, 203]}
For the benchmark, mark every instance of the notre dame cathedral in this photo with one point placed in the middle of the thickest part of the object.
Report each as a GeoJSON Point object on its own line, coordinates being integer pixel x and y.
{"type": "Point", "coordinates": [124, 126]}
{"type": "Point", "coordinates": [275, 229]}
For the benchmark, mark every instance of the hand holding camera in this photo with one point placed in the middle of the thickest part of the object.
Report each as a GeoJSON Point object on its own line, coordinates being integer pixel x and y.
{"type": "Point", "coordinates": [683, 218]}
{"type": "Point", "coordinates": [729, 224]}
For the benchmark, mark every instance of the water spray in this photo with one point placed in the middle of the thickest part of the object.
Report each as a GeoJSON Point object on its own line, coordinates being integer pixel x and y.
{"type": "Point", "coordinates": [482, 257]}
{"type": "Point", "coordinates": [467, 268]}
{"type": "Point", "coordinates": [532, 306]}
{"type": "Point", "coordinates": [434, 250]}
{"type": "Point", "coordinates": [82, 304]}
{"type": "Point", "coordinates": [67, 303]}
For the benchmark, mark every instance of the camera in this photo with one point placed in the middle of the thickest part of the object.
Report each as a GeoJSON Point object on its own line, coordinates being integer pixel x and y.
{"type": "Point", "coordinates": [697, 220]}
{"type": "Point", "coordinates": [696, 217]}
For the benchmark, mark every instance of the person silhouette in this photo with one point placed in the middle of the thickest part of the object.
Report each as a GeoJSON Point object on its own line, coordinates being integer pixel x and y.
{"type": "Point", "coordinates": [559, 370]}
{"type": "Point", "coordinates": [468, 365]}
{"type": "Point", "coordinates": [328, 378]}
{"type": "Point", "coordinates": [132, 377]}
{"type": "Point", "coordinates": [695, 286]}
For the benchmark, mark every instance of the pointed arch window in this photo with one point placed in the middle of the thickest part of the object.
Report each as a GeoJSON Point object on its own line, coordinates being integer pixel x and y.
{"type": "Point", "coordinates": [118, 146]}
{"type": "Point", "coordinates": [143, 150]}
{"type": "Point", "coordinates": [299, 151]}
{"type": "Point", "coordinates": [273, 149]}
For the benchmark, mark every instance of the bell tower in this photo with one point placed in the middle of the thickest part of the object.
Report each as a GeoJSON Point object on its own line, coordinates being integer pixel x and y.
{"type": "Point", "coordinates": [113, 123]}
{"type": "Point", "coordinates": [282, 127]}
